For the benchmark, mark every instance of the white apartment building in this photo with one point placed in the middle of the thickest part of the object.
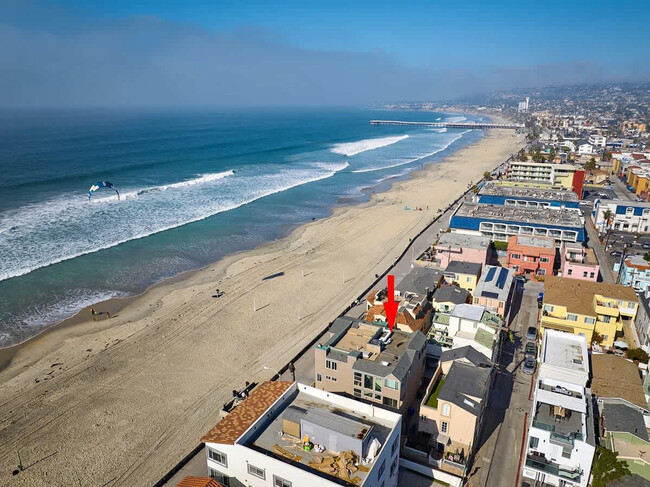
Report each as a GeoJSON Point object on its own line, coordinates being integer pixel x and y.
{"type": "Point", "coordinates": [287, 434]}
{"type": "Point", "coordinates": [597, 140]}
{"type": "Point", "coordinates": [553, 174]}
{"type": "Point", "coordinates": [625, 215]}
{"type": "Point", "coordinates": [561, 436]}
{"type": "Point", "coordinates": [585, 149]}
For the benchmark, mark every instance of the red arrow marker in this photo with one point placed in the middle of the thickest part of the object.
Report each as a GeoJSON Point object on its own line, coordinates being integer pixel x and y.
{"type": "Point", "coordinates": [390, 305]}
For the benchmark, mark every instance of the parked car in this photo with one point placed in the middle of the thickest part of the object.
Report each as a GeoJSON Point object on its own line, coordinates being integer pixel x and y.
{"type": "Point", "coordinates": [616, 253]}
{"type": "Point", "coordinates": [531, 334]}
{"type": "Point", "coordinates": [531, 350]}
{"type": "Point", "coordinates": [529, 366]}
{"type": "Point", "coordinates": [645, 245]}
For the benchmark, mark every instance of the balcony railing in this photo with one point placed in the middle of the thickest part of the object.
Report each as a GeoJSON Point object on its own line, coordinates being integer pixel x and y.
{"type": "Point", "coordinates": [553, 469]}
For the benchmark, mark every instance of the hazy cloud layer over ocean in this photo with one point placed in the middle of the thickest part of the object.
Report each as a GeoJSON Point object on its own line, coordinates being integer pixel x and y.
{"type": "Point", "coordinates": [58, 59]}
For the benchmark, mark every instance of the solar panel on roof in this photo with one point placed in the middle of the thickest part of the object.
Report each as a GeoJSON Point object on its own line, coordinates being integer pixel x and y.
{"type": "Point", "coordinates": [490, 274]}
{"type": "Point", "coordinates": [501, 280]}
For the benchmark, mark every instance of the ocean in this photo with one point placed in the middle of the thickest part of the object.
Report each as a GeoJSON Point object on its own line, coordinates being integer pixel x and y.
{"type": "Point", "coordinates": [194, 187]}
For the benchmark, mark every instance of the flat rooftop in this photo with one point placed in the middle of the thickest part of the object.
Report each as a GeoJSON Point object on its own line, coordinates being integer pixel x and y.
{"type": "Point", "coordinates": [566, 351]}
{"type": "Point", "coordinates": [540, 194]}
{"type": "Point", "coordinates": [454, 240]}
{"type": "Point", "coordinates": [272, 440]}
{"type": "Point", "coordinates": [539, 242]}
{"type": "Point", "coordinates": [364, 338]}
{"type": "Point", "coordinates": [540, 216]}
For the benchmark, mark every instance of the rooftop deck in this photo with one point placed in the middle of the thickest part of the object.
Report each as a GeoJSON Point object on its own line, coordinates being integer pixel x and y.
{"type": "Point", "coordinates": [539, 216]}
{"type": "Point", "coordinates": [273, 441]}
{"type": "Point", "coordinates": [529, 193]}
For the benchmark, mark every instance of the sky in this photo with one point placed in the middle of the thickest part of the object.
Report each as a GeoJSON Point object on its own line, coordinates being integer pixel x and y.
{"type": "Point", "coordinates": [303, 53]}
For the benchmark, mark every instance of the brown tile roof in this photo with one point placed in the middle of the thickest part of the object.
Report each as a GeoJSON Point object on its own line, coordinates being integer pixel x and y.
{"type": "Point", "coordinates": [577, 295]}
{"type": "Point", "coordinates": [401, 318]}
{"type": "Point", "coordinates": [199, 482]}
{"type": "Point", "coordinates": [230, 428]}
{"type": "Point", "coordinates": [616, 377]}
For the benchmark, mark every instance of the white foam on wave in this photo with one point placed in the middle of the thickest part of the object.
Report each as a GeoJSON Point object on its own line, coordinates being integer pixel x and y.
{"type": "Point", "coordinates": [55, 231]}
{"type": "Point", "coordinates": [205, 178]}
{"type": "Point", "coordinates": [456, 119]}
{"type": "Point", "coordinates": [410, 161]}
{"type": "Point", "coordinates": [440, 131]}
{"type": "Point", "coordinates": [354, 148]}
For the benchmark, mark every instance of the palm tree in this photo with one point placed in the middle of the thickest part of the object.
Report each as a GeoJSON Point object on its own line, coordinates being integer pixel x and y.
{"type": "Point", "coordinates": [607, 215]}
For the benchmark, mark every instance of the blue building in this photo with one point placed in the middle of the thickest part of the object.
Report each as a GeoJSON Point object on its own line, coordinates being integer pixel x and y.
{"type": "Point", "coordinates": [501, 222]}
{"type": "Point", "coordinates": [634, 272]}
{"type": "Point", "coordinates": [522, 197]}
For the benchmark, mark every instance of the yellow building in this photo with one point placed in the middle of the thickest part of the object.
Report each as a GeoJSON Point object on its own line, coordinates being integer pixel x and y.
{"type": "Point", "coordinates": [463, 274]}
{"type": "Point", "coordinates": [582, 307]}
{"type": "Point", "coordinates": [643, 181]}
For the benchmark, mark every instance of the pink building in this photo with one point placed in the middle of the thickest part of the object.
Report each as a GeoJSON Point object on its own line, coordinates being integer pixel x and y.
{"type": "Point", "coordinates": [462, 248]}
{"type": "Point", "coordinates": [578, 262]}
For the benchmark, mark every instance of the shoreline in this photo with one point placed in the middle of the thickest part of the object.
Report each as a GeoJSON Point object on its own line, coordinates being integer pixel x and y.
{"type": "Point", "coordinates": [132, 393]}
{"type": "Point", "coordinates": [116, 304]}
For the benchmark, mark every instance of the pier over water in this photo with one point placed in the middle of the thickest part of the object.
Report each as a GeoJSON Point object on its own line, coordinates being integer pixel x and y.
{"type": "Point", "coordinates": [453, 125]}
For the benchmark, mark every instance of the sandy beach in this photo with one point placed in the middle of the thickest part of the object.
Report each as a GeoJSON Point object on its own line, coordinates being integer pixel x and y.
{"type": "Point", "coordinates": [118, 402]}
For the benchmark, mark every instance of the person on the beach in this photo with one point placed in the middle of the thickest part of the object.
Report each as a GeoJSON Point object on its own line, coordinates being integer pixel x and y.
{"type": "Point", "coordinates": [108, 315]}
{"type": "Point", "coordinates": [94, 313]}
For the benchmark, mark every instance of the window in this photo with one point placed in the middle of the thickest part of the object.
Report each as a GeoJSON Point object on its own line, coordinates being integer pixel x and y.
{"type": "Point", "coordinates": [367, 394]}
{"type": "Point", "coordinates": [219, 477]}
{"type": "Point", "coordinates": [394, 446]}
{"type": "Point", "coordinates": [541, 272]}
{"type": "Point", "coordinates": [591, 275]}
{"type": "Point", "coordinates": [382, 467]}
{"type": "Point", "coordinates": [257, 472]}
{"type": "Point", "coordinates": [390, 402]}
{"type": "Point", "coordinates": [217, 456]}
{"type": "Point", "coordinates": [329, 377]}
{"type": "Point", "coordinates": [280, 482]}
{"type": "Point", "coordinates": [357, 379]}
{"type": "Point", "coordinates": [566, 454]}
{"type": "Point", "coordinates": [569, 272]}
{"type": "Point", "coordinates": [357, 392]}
{"type": "Point", "coordinates": [393, 467]}
{"type": "Point", "coordinates": [584, 274]}
{"type": "Point", "coordinates": [367, 381]}
{"type": "Point", "coordinates": [590, 321]}
{"type": "Point", "coordinates": [391, 384]}
{"type": "Point", "coordinates": [424, 419]}
{"type": "Point", "coordinates": [378, 397]}
{"type": "Point", "coordinates": [571, 317]}
{"type": "Point", "coordinates": [446, 409]}
{"type": "Point", "coordinates": [533, 442]}
{"type": "Point", "coordinates": [515, 268]}
{"type": "Point", "coordinates": [548, 308]}
{"type": "Point", "coordinates": [331, 364]}
{"type": "Point", "coordinates": [629, 211]}
{"type": "Point", "coordinates": [377, 384]}
{"type": "Point", "coordinates": [605, 337]}
{"type": "Point", "coordinates": [319, 378]}
{"type": "Point", "coordinates": [444, 426]}
{"type": "Point", "coordinates": [515, 256]}
{"type": "Point", "coordinates": [544, 259]}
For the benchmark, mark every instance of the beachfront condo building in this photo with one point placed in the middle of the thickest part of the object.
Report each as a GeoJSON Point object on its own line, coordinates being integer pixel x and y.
{"type": "Point", "coordinates": [413, 311]}
{"type": "Point", "coordinates": [501, 222]}
{"type": "Point", "coordinates": [462, 247]}
{"type": "Point", "coordinates": [494, 290]}
{"type": "Point", "coordinates": [545, 175]}
{"type": "Point", "coordinates": [584, 307]}
{"type": "Point", "coordinates": [463, 274]}
{"type": "Point", "coordinates": [624, 215]}
{"type": "Point", "coordinates": [290, 435]}
{"type": "Point", "coordinates": [531, 256]}
{"type": "Point", "coordinates": [578, 262]}
{"type": "Point", "coordinates": [368, 361]}
{"type": "Point", "coordinates": [561, 442]}
{"type": "Point", "coordinates": [452, 411]}
{"type": "Point", "coordinates": [495, 193]}
{"type": "Point", "coordinates": [466, 325]}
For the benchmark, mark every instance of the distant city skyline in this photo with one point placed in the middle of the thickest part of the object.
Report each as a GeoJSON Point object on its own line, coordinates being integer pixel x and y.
{"type": "Point", "coordinates": [165, 53]}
